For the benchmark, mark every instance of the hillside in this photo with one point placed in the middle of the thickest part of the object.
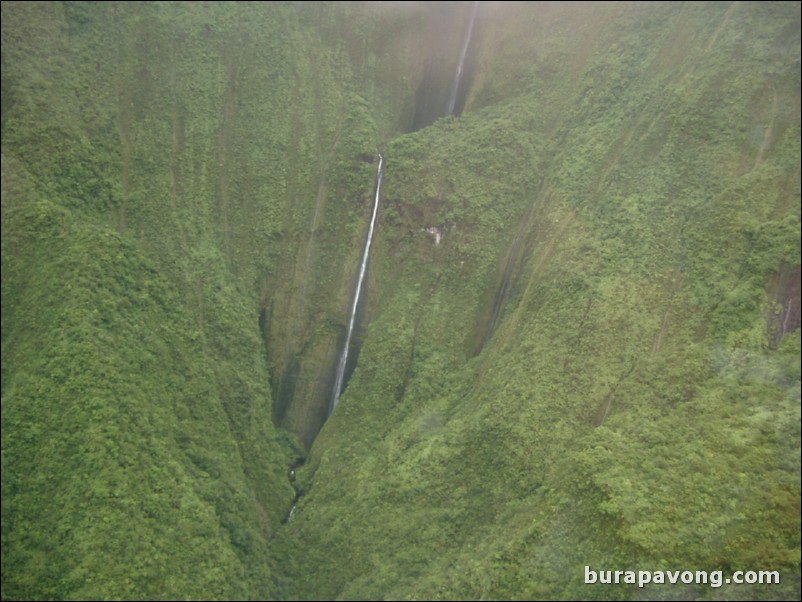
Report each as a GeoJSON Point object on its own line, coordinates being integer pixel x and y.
{"type": "Point", "coordinates": [579, 345]}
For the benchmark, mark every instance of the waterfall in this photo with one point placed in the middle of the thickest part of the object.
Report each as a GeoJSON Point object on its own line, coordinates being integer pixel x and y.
{"type": "Point", "coordinates": [452, 101]}
{"type": "Point", "coordinates": [338, 381]}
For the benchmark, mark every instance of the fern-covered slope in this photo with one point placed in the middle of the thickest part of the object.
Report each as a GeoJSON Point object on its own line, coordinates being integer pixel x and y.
{"type": "Point", "coordinates": [580, 344]}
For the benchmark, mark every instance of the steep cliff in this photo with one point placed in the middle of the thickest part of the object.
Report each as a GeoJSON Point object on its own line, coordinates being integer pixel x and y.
{"type": "Point", "coordinates": [580, 340]}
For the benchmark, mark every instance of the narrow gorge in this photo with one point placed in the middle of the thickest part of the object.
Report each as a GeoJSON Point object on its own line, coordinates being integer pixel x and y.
{"type": "Point", "coordinates": [399, 300]}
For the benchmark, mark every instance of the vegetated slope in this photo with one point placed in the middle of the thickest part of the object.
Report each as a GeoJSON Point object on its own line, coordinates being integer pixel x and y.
{"type": "Point", "coordinates": [139, 458]}
{"type": "Point", "coordinates": [574, 349]}
{"type": "Point", "coordinates": [623, 193]}
{"type": "Point", "coordinates": [160, 168]}
{"type": "Point", "coordinates": [184, 194]}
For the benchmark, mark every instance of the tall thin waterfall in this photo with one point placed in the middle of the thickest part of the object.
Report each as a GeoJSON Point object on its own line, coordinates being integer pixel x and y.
{"type": "Point", "coordinates": [452, 101]}
{"type": "Point", "coordinates": [338, 381]}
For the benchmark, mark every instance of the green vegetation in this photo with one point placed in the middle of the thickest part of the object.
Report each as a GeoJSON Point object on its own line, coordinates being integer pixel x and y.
{"type": "Point", "coordinates": [584, 367]}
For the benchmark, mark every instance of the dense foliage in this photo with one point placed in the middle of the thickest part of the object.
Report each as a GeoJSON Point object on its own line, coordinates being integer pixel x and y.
{"type": "Point", "coordinates": [580, 345]}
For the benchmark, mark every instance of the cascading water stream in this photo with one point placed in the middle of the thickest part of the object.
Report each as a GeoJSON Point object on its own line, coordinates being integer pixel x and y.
{"type": "Point", "coordinates": [452, 101]}
{"type": "Point", "coordinates": [338, 381]}
{"type": "Point", "coordinates": [342, 364]}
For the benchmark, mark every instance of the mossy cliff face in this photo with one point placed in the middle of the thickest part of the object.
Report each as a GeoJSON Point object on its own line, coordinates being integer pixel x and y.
{"type": "Point", "coordinates": [579, 370]}
{"type": "Point", "coordinates": [580, 342]}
